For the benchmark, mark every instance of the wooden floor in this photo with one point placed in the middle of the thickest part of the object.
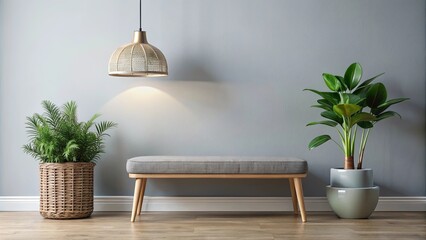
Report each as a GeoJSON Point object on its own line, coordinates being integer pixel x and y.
{"type": "Point", "coordinates": [213, 225]}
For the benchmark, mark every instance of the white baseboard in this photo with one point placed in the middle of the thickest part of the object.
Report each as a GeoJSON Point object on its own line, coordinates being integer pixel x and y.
{"type": "Point", "coordinates": [124, 203]}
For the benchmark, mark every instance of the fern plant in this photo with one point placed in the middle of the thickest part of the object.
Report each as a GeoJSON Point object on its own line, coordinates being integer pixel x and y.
{"type": "Point", "coordinates": [56, 136]}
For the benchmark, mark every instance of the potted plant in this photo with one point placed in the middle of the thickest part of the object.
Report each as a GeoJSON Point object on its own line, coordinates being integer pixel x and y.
{"type": "Point", "coordinates": [352, 108]}
{"type": "Point", "coordinates": [67, 151]}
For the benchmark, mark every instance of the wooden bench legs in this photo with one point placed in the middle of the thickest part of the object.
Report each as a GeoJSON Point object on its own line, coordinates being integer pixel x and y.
{"type": "Point", "coordinates": [138, 197]}
{"type": "Point", "coordinates": [296, 186]}
{"type": "Point", "coordinates": [293, 195]}
{"type": "Point", "coordinates": [294, 180]}
{"type": "Point", "coordinates": [141, 194]}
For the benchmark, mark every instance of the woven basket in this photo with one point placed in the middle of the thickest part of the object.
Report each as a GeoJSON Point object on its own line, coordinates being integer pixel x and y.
{"type": "Point", "coordinates": [66, 190]}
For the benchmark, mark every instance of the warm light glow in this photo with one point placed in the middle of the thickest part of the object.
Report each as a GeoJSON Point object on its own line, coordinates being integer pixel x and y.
{"type": "Point", "coordinates": [141, 92]}
{"type": "Point", "coordinates": [143, 103]}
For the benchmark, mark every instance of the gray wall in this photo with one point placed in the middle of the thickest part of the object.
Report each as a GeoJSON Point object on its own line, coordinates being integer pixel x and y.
{"type": "Point", "coordinates": [237, 70]}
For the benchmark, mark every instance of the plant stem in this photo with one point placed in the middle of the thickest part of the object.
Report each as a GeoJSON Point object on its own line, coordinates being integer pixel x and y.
{"type": "Point", "coordinates": [349, 162]}
{"type": "Point", "coordinates": [363, 144]}
{"type": "Point", "coordinates": [341, 138]}
{"type": "Point", "coordinates": [349, 159]}
{"type": "Point", "coordinates": [353, 140]}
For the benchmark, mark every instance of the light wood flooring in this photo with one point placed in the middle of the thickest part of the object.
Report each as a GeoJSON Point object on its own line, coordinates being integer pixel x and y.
{"type": "Point", "coordinates": [214, 225]}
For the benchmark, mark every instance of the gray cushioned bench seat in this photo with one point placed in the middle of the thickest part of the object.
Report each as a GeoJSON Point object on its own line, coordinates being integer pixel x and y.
{"type": "Point", "coordinates": [216, 165]}
{"type": "Point", "coordinates": [147, 167]}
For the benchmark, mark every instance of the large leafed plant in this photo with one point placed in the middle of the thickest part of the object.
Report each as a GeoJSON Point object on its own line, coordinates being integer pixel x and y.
{"type": "Point", "coordinates": [349, 106]}
{"type": "Point", "coordinates": [56, 136]}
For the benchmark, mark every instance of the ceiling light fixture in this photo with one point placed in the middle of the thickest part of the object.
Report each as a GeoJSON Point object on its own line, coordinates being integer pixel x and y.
{"type": "Point", "coordinates": [139, 58]}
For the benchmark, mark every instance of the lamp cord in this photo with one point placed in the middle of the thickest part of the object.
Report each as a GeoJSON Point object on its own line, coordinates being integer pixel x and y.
{"type": "Point", "coordinates": [140, 15]}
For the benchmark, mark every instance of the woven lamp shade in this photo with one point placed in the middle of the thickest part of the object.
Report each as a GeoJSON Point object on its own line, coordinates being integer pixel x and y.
{"type": "Point", "coordinates": [138, 59]}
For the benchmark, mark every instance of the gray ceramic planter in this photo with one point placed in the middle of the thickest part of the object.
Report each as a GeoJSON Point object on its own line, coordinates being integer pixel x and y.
{"type": "Point", "coordinates": [351, 193]}
{"type": "Point", "coordinates": [351, 178]}
{"type": "Point", "coordinates": [353, 202]}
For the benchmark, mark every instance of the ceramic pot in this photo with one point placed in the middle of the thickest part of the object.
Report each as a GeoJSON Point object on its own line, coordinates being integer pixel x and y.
{"type": "Point", "coordinates": [351, 193]}
{"type": "Point", "coordinates": [351, 178]}
{"type": "Point", "coordinates": [353, 202]}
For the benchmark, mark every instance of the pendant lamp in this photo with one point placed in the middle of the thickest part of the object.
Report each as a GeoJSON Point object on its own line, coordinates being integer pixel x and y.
{"type": "Point", "coordinates": [139, 58]}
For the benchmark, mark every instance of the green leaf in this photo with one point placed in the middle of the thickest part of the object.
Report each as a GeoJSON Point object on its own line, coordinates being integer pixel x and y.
{"type": "Point", "coordinates": [70, 111]}
{"type": "Point", "coordinates": [318, 141]}
{"type": "Point", "coordinates": [328, 123]}
{"type": "Point", "coordinates": [361, 117]}
{"type": "Point", "coordinates": [343, 86]}
{"type": "Point", "coordinates": [332, 97]}
{"type": "Point", "coordinates": [91, 122]}
{"type": "Point", "coordinates": [52, 113]}
{"type": "Point", "coordinates": [332, 116]}
{"type": "Point", "coordinates": [391, 102]}
{"type": "Point", "coordinates": [387, 114]}
{"type": "Point", "coordinates": [326, 103]}
{"type": "Point", "coordinates": [321, 106]}
{"type": "Point", "coordinates": [346, 110]}
{"type": "Point", "coordinates": [70, 149]}
{"type": "Point", "coordinates": [331, 81]}
{"type": "Point", "coordinates": [103, 127]}
{"type": "Point", "coordinates": [367, 82]}
{"type": "Point", "coordinates": [362, 92]}
{"type": "Point", "coordinates": [353, 75]}
{"type": "Point", "coordinates": [376, 95]}
{"type": "Point", "coordinates": [365, 125]}
{"type": "Point", "coordinates": [350, 98]}
{"type": "Point", "coordinates": [382, 107]}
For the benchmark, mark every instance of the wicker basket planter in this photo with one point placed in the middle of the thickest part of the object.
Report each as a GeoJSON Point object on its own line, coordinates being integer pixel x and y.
{"type": "Point", "coordinates": [66, 190]}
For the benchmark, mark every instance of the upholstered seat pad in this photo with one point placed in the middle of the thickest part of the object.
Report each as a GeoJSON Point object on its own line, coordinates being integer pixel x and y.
{"type": "Point", "coordinates": [216, 165]}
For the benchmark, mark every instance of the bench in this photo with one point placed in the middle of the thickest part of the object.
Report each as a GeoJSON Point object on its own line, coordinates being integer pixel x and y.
{"type": "Point", "coordinates": [146, 167]}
